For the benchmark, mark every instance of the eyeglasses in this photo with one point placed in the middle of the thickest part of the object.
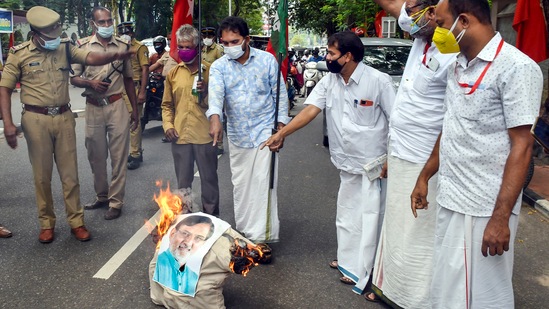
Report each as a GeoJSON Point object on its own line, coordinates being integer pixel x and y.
{"type": "Point", "coordinates": [409, 9]}
{"type": "Point", "coordinates": [186, 235]}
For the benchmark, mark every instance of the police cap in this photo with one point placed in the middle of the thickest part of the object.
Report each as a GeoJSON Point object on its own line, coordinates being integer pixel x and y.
{"type": "Point", "coordinates": [45, 21]}
{"type": "Point", "coordinates": [125, 27]}
{"type": "Point", "coordinates": [208, 30]}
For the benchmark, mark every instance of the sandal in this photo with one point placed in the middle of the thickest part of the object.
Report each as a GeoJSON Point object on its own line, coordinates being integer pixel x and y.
{"type": "Point", "coordinates": [347, 280]}
{"type": "Point", "coordinates": [333, 264]}
{"type": "Point", "coordinates": [371, 297]}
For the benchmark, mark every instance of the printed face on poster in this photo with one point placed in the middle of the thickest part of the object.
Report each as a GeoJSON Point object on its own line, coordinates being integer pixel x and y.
{"type": "Point", "coordinates": [183, 249]}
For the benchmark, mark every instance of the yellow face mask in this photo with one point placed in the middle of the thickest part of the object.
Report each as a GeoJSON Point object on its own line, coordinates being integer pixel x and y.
{"type": "Point", "coordinates": [445, 40]}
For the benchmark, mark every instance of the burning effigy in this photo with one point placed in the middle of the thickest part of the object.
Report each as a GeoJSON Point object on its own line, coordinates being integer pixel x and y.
{"type": "Point", "coordinates": [195, 254]}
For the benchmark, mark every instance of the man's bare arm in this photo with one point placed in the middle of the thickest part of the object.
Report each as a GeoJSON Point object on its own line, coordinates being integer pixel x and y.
{"type": "Point", "coordinates": [391, 6]}
{"type": "Point", "coordinates": [497, 233]}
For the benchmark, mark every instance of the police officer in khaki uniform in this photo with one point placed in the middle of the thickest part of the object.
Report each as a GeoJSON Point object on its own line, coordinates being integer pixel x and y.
{"type": "Point", "coordinates": [211, 51]}
{"type": "Point", "coordinates": [107, 117]}
{"type": "Point", "coordinates": [140, 67]}
{"type": "Point", "coordinates": [42, 67]}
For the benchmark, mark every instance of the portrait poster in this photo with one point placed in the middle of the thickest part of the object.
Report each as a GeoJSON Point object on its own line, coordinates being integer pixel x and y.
{"type": "Point", "coordinates": [183, 248]}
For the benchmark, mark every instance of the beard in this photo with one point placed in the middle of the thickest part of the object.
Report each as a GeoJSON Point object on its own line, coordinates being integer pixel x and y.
{"type": "Point", "coordinates": [424, 33]}
{"type": "Point", "coordinates": [181, 255]}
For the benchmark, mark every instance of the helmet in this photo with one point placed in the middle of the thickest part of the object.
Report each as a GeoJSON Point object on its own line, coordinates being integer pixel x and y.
{"type": "Point", "coordinates": [159, 43]}
{"type": "Point", "coordinates": [306, 52]}
{"type": "Point", "coordinates": [315, 52]}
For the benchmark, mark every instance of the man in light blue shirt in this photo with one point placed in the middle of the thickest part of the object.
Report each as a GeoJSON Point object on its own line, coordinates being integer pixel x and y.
{"type": "Point", "coordinates": [245, 79]}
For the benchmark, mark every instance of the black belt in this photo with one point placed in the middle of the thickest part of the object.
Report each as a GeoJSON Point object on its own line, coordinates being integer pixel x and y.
{"type": "Point", "coordinates": [48, 110]}
{"type": "Point", "coordinates": [104, 101]}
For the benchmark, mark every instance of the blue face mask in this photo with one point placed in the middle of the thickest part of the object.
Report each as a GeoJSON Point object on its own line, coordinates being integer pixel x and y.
{"type": "Point", "coordinates": [105, 32]}
{"type": "Point", "coordinates": [51, 44]}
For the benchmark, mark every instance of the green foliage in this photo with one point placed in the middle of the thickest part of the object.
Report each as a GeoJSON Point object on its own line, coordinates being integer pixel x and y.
{"type": "Point", "coordinates": [332, 15]}
{"type": "Point", "coordinates": [11, 4]}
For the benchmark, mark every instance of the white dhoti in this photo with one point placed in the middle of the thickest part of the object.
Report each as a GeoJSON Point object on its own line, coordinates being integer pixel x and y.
{"type": "Point", "coordinates": [255, 205]}
{"type": "Point", "coordinates": [360, 207]}
{"type": "Point", "coordinates": [463, 278]}
{"type": "Point", "coordinates": [404, 260]}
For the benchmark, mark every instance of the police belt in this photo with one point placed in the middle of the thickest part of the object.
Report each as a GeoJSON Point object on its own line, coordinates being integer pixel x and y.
{"type": "Point", "coordinates": [104, 101]}
{"type": "Point", "coordinates": [48, 110]}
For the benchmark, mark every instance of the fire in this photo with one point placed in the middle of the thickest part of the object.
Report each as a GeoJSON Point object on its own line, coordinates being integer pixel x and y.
{"type": "Point", "coordinates": [170, 205]}
{"type": "Point", "coordinates": [245, 256]}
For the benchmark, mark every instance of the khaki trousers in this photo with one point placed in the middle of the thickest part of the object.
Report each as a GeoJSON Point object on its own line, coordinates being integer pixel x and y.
{"type": "Point", "coordinates": [107, 132]}
{"type": "Point", "coordinates": [52, 138]}
{"type": "Point", "coordinates": [135, 136]}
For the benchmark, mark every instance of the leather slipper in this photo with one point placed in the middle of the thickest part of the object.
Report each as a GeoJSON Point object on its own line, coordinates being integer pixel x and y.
{"type": "Point", "coordinates": [347, 280]}
{"type": "Point", "coordinates": [371, 297]}
{"type": "Point", "coordinates": [333, 264]}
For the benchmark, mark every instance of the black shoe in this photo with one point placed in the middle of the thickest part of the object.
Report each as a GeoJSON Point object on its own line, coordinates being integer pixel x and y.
{"type": "Point", "coordinates": [165, 140]}
{"type": "Point", "coordinates": [113, 213]}
{"type": "Point", "coordinates": [325, 142]}
{"type": "Point", "coordinates": [96, 204]}
{"type": "Point", "coordinates": [220, 151]}
{"type": "Point", "coordinates": [134, 163]}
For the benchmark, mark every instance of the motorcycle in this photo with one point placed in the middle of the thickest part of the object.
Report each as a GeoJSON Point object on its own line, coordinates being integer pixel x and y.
{"type": "Point", "coordinates": [311, 77]}
{"type": "Point", "coordinates": [155, 90]}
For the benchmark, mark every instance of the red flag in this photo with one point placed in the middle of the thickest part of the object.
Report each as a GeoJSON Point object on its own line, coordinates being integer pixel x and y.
{"type": "Point", "coordinates": [278, 43]}
{"type": "Point", "coordinates": [531, 31]}
{"type": "Point", "coordinates": [377, 23]}
{"type": "Point", "coordinates": [182, 15]}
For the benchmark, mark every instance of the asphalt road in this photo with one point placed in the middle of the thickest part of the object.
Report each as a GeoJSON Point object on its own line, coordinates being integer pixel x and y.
{"type": "Point", "coordinates": [60, 274]}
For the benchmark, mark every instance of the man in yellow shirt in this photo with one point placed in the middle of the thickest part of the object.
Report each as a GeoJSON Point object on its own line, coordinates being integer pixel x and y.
{"type": "Point", "coordinates": [185, 123]}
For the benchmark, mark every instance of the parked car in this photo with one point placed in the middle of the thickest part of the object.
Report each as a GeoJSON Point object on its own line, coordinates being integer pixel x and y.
{"type": "Point", "coordinates": [387, 55]}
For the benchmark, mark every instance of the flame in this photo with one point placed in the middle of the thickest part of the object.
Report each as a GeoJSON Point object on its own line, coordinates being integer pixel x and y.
{"type": "Point", "coordinates": [170, 206]}
{"type": "Point", "coordinates": [244, 257]}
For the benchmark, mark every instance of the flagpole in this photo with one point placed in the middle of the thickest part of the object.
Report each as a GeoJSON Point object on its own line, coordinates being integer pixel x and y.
{"type": "Point", "coordinates": [277, 101]}
{"type": "Point", "coordinates": [199, 48]}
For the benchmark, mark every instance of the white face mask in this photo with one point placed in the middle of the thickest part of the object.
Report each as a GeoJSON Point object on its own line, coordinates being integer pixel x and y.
{"type": "Point", "coordinates": [405, 21]}
{"type": "Point", "coordinates": [105, 32]}
{"type": "Point", "coordinates": [208, 41]}
{"type": "Point", "coordinates": [126, 37]}
{"type": "Point", "coordinates": [234, 52]}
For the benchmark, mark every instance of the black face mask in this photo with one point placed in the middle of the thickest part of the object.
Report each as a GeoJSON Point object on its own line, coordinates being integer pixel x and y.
{"type": "Point", "coordinates": [334, 66]}
{"type": "Point", "coordinates": [159, 49]}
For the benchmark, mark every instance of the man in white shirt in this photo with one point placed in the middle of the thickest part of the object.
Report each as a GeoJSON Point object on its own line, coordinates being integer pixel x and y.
{"type": "Point", "coordinates": [358, 101]}
{"type": "Point", "coordinates": [482, 155]}
{"type": "Point", "coordinates": [403, 267]}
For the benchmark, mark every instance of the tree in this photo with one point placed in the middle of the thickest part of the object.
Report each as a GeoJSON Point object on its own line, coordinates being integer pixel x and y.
{"type": "Point", "coordinates": [11, 4]}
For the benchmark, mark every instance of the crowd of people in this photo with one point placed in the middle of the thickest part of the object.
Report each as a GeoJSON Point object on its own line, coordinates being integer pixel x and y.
{"type": "Point", "coordinates": [430, 175]}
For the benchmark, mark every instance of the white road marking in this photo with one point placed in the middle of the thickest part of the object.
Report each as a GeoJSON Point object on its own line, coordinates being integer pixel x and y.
{"type": "Point", "coordinates": [129, 247]}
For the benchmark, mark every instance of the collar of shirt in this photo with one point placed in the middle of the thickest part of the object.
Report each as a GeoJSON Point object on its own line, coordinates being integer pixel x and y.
{"type": "Point", "coordinates": [32, 46]}
{"type": "Point", "coordinates": [488, 53]}
{"type": "Point", "coordinates": [95, 40]}
{"type": "Point", "coordinates": [355, 76]}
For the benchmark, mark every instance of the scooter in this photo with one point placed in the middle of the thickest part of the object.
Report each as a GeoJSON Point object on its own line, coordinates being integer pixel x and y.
{"type": "Point", "coordinates": [155, 90]}
{"type": "Point", "coordinates": [311, 77]}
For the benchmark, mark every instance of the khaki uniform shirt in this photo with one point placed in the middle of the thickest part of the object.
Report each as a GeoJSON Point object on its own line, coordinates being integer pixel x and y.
{"type": "Point", "coordinates": [100, 72]}
{"type": "Point", "coordinates": [139, 59]}
{"type": "Point", "coordinates": [44, 75]}
{"type": "Point", "coordinates": [167, 62]}
{"type": "Point", "coordinates": [180, 108]}
{"type": "Point", "coordinates": [212, 53]}
{"type": "Point", "coordinates": [213, 273]}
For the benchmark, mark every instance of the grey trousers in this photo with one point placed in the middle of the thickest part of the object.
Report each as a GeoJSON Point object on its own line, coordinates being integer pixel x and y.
{"type": "Point", "coordinates": [205, 155]}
